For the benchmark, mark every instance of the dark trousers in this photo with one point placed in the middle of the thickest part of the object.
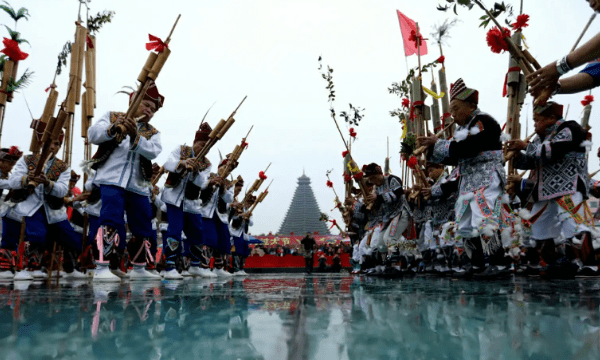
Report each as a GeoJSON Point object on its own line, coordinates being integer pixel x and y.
{"type": "Point", "coordinates": [116, 201]}
{"type": "Point", "coordinates": [11, 231]}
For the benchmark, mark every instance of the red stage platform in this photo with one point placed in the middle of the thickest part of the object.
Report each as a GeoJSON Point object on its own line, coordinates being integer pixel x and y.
{"type": "Point", "coordinates": [288, 261]}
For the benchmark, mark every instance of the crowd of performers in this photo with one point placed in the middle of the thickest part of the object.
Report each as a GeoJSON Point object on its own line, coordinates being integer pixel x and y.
{"type": "Point", "coordinates": [464, 221]}
{"type": "Point", "coordinates": [204, 226]}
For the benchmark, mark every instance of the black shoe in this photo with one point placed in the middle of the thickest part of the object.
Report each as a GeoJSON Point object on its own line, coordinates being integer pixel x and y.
{"type": "Point", "coordinates": [564, 270]}
{"type": "Point", "coordinates": [492, 272]}
{"type": "Point", "coordinates": [587, 272]}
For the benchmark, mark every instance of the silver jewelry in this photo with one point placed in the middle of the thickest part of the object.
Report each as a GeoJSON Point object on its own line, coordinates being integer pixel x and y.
{"type": "Point", "coordinates": [562, 66]}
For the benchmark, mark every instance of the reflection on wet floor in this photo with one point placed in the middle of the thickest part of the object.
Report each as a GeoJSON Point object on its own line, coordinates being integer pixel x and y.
{"type": "Point", "coordinates": [302, 317]}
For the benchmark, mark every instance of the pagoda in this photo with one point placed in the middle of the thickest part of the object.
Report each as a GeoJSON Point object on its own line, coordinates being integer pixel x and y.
{"type": "Point", "coordinates": [303, 214]}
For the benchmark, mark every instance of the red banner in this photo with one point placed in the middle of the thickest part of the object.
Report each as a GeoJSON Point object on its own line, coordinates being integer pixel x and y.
{"type": "Point", "coordinates": [295, 240]}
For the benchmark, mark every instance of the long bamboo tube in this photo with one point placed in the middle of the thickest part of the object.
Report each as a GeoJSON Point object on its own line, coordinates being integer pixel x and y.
{"type": "Point", "coordinates": [46, 115]}
{"type": "Point", "coordinates": [81, 40]}
{"type": "Point", "coordinates": [6, 74]}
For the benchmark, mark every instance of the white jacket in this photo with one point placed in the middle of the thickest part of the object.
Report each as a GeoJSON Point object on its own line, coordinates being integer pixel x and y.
{"type": "Point", "coordinates": [238, 232]}
{"type": "Point", "coordinates": [208, 209]}
{"type": "Point", "coordinates": [91, 209]}
{"type": "Point", "coordinates": [175, 195]}
{"type": "Point", "coordinates": [122, 168]}
{"type": "Point", "coordinates": [58, 189]}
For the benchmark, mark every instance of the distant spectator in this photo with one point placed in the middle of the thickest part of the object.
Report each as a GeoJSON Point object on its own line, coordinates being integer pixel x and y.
{"type": "Point", "coordinates": [309, 245]}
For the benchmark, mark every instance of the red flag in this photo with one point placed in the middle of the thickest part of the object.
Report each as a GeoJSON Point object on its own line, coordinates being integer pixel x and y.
{"type": "Point", "coordinates": [406, 27]}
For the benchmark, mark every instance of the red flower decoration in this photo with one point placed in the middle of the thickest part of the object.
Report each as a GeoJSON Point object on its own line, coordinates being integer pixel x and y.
{"type": "Point", "coordinates": [156, 44]}
{"type": "Point", "coordinates": [352, 132]}
{"type": "Point", "coordinates": [588, 99]}
{"type": "Point", "coordinates": [347, 178]}
{"type": "Point", "coordinates": [358, 176]}
{"type": "Point", "coordinates": [521, 22]}
{"type": "Point", "coordinates": [441, 59]}
{"type": "Point", "coordinates": [329, 184]}
{"type": "Point", "coordinates": [244, 145]}
{"type": "Point", "coordinates": [412, 162]}
{"type": "Point", "coordinates": [405, 102]}
{"type": "Point", "coordinates": [344, 153]}
{"type": "Point", "coordinates": [262, 175]}
{"type": "Point", "coordinates": [495, 39]}
{"type": "Point", "coordinates": [12, 50]}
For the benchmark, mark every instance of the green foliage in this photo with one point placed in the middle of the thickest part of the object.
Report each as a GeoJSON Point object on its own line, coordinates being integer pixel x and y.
{"type": "Point", "coordinates": [94, 24]}
{"type": "Point", "coordinates": [22, 83]}
{"type": "Point", "coordinates": [496, 10]}
{"type": "Point", "coordinates": [324, 217]}
{"type": "Point", "coordinates": [22, 13]}
{"type": "Point", "coordinates": [353, 117]}
{"type": "Point", "coordinates": [408, 145]}
{"type": "Point", "coordinates": [16, 36]}
{"type": "Point", "coordinates": [3, 59]}
{"type": "Point", "coordinates": [62, 57]}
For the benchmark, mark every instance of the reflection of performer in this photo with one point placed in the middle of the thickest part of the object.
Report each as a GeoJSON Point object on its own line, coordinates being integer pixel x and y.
{"type": "Point", "coordinates": [238, 228]}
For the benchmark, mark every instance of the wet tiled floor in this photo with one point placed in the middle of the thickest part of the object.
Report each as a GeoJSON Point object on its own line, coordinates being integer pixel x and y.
{"type": "Point", "coordinates": [302, 317]}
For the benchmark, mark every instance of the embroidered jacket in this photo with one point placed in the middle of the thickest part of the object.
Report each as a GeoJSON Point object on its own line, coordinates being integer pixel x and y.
{"type": "Point", "coordinates": [122, 168]}
{"type": "Point", "coordinates": [216, 202]}
{"type": "Point", "coordinates": [557, 162]}
{"type": "Point", "coordinates": [359, 220]}
{"type": "Point", "coordinates": [177, 194]}
{"type": "Point", "coordinates": [444, 194]}
{"type": "Point", "coordinates": [477, 151]}
{"type": "Point", "coordinates": [57, 172]}
{"type": "Point", "coordinates": [390, 197]}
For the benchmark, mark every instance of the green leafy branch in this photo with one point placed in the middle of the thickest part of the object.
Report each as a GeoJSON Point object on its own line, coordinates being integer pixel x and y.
{"type": "Point", "coordinates": [62, 57]}
{"type": "Point", "coordinates": [496, 10]}
{"type": "Point", "coordinates": [17, 15]}
{"type": "Point", "coordinates": [353, 116]}
{"type": "Point", "coordinates": [94, 24]}
{"type": "Point", "coordinates": [22, 83]}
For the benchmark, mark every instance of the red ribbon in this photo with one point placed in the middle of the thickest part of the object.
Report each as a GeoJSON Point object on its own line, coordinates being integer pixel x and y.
{"type": "Point", "coordinates": [347, 178]}
{"type": "Point", "coordinates": [244, 144]}
{"type": "Point", "coordinates": [333, 223]}
{"type": "Point", "coordinates": [358, 176]}
{"type": "Point", "coordinates": [89, 42]}
{"type": "Point", "coordinates": [12, 50]}
{"type": "Point", "coordinates": [344, 153]}
{"type": "Point", "coordinates": [512, 69]}
{"type": "Point", "coordinates": [155, 44]}
{"type": "Point", "coordinates": [412, 115]}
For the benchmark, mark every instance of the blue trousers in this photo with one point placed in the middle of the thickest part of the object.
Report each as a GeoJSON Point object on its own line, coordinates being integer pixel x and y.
{"type": "Point", "coordinates": [216, 234]}
{"type": "Point", "coordinates": [241, 246]}
{"type": "Point", "coordinates": [37, 230]}
{"type": "Point", "coordinates": [188, 223]}
{"type": "Point", "coordinates": [116, 201]}
{"type": "Point", "coordinates": [11, 231]}
{"type": "Point", "coordinates": [94, 225]}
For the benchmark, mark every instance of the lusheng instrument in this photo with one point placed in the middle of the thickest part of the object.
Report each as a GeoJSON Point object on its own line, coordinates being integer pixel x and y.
{"type": "Point", "coordinates": [259, 199]}
{"type": "Point", "coordinates": [440, 133]}
{"type": "Point", "coordinates": [234, 156]}
{"type": "Point", "coordinates": [149, 74]}
{"type": "Point", "coordinates": [257, 184]}
{"type": "Point", "coordinates": [525, 60]}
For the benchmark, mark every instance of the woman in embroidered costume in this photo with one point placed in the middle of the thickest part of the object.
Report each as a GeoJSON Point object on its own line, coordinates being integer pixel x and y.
{"type": "Point", "coordinates": [123, 171]}
{"type": "Point", "coordinates": [476, 150]}
{"type": "Point", "coordinates": [558, 163]}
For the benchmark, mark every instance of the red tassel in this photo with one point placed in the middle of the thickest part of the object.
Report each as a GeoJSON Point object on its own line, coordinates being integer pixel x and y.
{"type": "Point", "coordinates": [441, 59]}
{"type": "Point", "coordinates": [347, 178]}
{"type": "Point", "coordinates": [333, 223]}
{"type": "Point", "coordinates": [262, 175]}
{"type": "Point", "coordinates": [329, 184]}
{"type": "Point", "coordinates": [504, 89]}
{"type": "Point", "coordinates": [405, 102]}
{"type": "Point", "coordinates": [344, 153]}
{"type": "Point", "coordinates": [358, 176]}
{"type": "Point", "coordinates": [89, 42]}
{"type": "Point", "coordinates": [352, 132]}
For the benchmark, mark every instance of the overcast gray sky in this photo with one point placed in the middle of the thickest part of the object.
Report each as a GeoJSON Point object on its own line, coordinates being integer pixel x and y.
{"type": "Point", "coordinates": [268, 50]}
